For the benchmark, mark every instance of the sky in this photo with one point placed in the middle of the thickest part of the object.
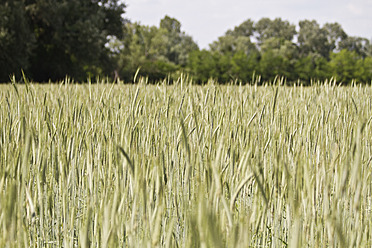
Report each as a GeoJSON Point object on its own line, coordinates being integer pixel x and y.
{"type": "Point", "coordinates": [206, 20]}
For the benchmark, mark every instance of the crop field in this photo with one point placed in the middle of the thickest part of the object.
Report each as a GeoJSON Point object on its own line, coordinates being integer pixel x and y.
{"type": "Point", "coordinates": [114, 165]}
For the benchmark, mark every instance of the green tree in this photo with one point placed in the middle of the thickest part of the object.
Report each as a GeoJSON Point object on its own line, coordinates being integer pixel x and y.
{"type": "Point", "coordinates": [243, 66]}
{"type": "Point", "coordinates": [322, 68]}
{"type": "Point", "coordinates": [157, 51]}
{"type": "Point", "coordinates": [202, 66]}
{"type": "Point", "coordinates": [235, 53]}
{"type": "Point", "coordinates": [178, 43]}
{"type": "Point", "coordinates": [369, 49]}
{"type": "Point", "coordinates": [312, 39]}
{"type": "Point", "coordinates": [223, 67]}
{"type": "Point", "coordinates": [272, 64]}
{"type": "Point", "coordinates": [278, 52]}
{"type": "Point", "coordinates": [312, 67]}
{"type": "Point", "coordinates": [277, 28]}
{"type": "Point", "coordinates": [358, 44]}
{"type": "Point", "coordinates": [16, 39]}
{"type": "Point", "coordinates": [364, 70]}
{"type": "Point", "coordinates": [344, 65]}
{"type": "Point", "coordinates": [367, 71]}
{"type": "Point", "coordinates": [71, 37]}
{"type": "Point", "coordinates": [335, 35]}
{"type": "Point", "coordinates": [232, 44]}
{"type": "Point", "coordinates": [304, 68]}
{"type": "Point", "coordinates": [246, 29]}
{"type": "Point", "coordinates": [278, 57]}
{"type": "Point", "coordinates": [237, 40]}
{"type": "Point", "coordinates": [140, 48]}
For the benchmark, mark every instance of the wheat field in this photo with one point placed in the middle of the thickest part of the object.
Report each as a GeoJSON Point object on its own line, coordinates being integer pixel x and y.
{"type": "Point", "coordinates": [114, 165]}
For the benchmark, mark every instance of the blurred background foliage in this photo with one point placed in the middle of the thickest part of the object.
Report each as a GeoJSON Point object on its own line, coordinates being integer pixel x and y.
{"type": "Point", "coordinates": [50, 40]}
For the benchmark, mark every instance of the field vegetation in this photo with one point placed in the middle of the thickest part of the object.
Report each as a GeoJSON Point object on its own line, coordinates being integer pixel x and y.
{"type": "Point", "coordinates": [114, 165]}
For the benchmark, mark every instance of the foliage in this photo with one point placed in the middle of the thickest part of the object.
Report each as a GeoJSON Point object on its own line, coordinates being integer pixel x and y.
{"type": "Point", "coordinates": [59, 38]}
{"type": "Point", "coordinates": [314, 53]}
{"type": "Point", "coordinates": [359, 45]}
{"type": "Point", "coordinates": [312, 39]}
{"type": "Point", "coordinates": [16, 39]}
{"type": "Point", "coordinates": [348, 65]}
{"type": "Point", "coordinates": [51, 39]}
{"type": "Point", "coordinates": [243, 66]}
{"type": "Point", "coordinates": [202, 64]}
{"type": "Point", "coordinates": [71, 37]}
{"type": "Point", "coordinates": [158, 52]}
{"type": "Point", "coordinates": [277, 28]}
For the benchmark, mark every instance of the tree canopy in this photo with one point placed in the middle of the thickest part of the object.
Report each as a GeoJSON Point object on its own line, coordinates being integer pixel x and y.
{"type": "Point", "coordinates": [51, 39]}
{"type": "Point", "coordinates": [80, 38]}
{"type": "Point", "coordinates": [157, 51]}
{"type": "Point", "coordinates": [274, 47]}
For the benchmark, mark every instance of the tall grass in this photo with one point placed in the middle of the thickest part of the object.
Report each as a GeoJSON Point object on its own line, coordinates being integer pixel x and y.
{"type": "Point", "coordinates": [107, 165]}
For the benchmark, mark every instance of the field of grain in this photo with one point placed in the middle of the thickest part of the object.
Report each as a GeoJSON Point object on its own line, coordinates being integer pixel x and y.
{"type": "Point", "coordinates": [111, 165]}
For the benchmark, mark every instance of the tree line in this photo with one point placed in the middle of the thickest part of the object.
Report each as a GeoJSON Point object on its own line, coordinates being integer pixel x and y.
{"type": "Point", "coordinates": [83, 38]}
{"type": "Point", "coordinates": [274, 47]}
{"type": "Point", "coordinates": [49, 39]}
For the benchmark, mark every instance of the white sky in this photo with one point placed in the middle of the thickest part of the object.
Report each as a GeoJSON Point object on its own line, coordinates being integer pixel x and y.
{"type": "Point", "coordinates": [206, 20]}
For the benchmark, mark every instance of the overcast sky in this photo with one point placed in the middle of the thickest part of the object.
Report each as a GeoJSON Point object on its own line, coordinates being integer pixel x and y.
{"type": "Point", "coordinates": [206, 20]}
